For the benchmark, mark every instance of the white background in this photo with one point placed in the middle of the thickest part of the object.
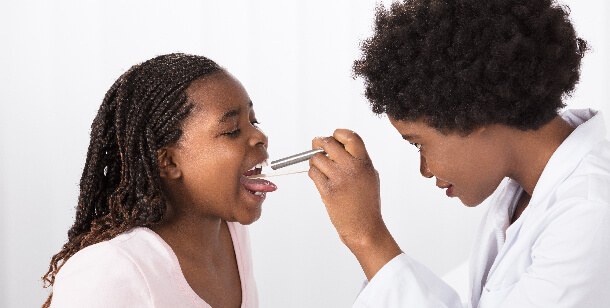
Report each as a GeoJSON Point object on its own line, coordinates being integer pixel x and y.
{"type": "Point", "coordinates": [58, 58]}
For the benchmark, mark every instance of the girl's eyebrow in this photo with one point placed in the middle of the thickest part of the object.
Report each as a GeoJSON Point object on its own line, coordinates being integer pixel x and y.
{"type": "Point", "coordinates": [232, 113]}
{"type": "Point", "coordinates": [229, 114]}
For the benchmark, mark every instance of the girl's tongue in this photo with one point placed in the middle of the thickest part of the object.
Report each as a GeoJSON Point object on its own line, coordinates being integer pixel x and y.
{"type": "Point", "coordinates": [257, 185]}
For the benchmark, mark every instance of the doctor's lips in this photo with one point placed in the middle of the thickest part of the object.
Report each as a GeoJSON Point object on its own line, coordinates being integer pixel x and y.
{"type": "Point", "coordinates": [449, 190]}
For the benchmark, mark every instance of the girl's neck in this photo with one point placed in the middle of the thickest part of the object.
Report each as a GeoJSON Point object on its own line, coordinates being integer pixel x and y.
{"type": "Point", "coordinates": [191, 236]}
{"type": "Point", "coordinates": [204, 248]}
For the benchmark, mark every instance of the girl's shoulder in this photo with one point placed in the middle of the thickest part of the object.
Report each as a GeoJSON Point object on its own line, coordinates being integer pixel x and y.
{"type": "Point", "coordinates": [129, 249]}
{"type": "Point", "coordinates": [108, 272]}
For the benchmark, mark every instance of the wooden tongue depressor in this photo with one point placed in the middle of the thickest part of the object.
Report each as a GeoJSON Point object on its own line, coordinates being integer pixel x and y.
{"type": "Point", "coordinates": [278, 173]}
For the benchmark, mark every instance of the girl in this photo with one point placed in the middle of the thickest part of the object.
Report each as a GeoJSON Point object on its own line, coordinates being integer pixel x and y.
{"type": "Point", "coordinates": [477, 86]}
{"type": "Point", "coordinates": [164, 193]}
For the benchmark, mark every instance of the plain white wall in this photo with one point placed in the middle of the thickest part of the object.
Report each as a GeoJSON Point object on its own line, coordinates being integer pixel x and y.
{"type": "Point", "coordinates": [294, 57]}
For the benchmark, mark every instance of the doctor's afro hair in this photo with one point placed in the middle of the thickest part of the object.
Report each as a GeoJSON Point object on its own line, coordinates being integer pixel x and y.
{"type": "Point", "coordinates": [462, 64]}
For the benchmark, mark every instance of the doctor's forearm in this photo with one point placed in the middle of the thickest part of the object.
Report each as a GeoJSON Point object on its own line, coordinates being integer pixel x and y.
{"type": "Point", "coordinates": [373, 251]}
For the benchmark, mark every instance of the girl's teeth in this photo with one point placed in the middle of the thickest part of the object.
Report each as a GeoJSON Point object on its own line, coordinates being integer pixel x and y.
{"type": "Point", "coordinates": [263, 164]}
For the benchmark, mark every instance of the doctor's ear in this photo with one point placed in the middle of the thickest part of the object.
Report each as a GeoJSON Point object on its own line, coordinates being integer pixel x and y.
{"type": "Point", "coordinates": [167, 167]}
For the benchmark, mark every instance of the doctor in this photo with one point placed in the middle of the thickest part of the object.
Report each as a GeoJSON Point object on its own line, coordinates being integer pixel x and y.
{"type": "Point", "coordinates": [477, 87]}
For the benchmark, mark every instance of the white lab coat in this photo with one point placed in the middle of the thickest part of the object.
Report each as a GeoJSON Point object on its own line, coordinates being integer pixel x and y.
{"type": "Point", "coordinates": [557, 254]}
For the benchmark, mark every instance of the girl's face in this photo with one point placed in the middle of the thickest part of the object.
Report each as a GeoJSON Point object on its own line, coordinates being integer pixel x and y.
{"type": "Point", "coordinates": [470, 167]}
{"type": "Point", "coordinates": [220, 143]}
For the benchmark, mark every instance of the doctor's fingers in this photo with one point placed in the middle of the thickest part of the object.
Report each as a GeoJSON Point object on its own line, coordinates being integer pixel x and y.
{"type": "Point", "coordinates": [344, 173]}
{"type": "Point", "coordinates": [319, 179]}
{"type": "Point", "coordinates": [322, 164]}
{"type": "Point", "coordinates": [333, 148]}
{"type": "Point", "coordinates": [352, 142]}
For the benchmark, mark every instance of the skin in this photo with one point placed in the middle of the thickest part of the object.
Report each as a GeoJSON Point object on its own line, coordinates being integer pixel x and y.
{"type": "Point", "coordinates": [201, 182]}
{"type": "Point", "coordinates": [471, 166]}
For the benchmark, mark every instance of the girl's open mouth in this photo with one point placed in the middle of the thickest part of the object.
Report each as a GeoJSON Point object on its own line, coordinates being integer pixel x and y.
{"type": "Point", "coordinates": [256, 169]}
{"type": "Point", "coordinates": [257, 187]}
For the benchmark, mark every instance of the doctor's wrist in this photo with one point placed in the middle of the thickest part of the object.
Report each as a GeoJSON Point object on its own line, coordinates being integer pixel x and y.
{"type": "Point", "coordinates": [374, 251]}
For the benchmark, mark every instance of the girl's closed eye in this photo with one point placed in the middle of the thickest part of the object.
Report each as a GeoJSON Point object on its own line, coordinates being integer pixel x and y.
{"type": "Point", "coordinates": [235, 133]}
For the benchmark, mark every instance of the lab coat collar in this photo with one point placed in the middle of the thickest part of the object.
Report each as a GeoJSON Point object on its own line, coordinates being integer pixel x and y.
{"type": "Point", "coordinates": [590, 131]}
{"type": "Point", "coordinates": [492, 240]}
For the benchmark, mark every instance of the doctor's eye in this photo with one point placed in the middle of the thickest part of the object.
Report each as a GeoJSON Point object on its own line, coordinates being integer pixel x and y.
{"type": "Point", "coordinates": [417, 145]}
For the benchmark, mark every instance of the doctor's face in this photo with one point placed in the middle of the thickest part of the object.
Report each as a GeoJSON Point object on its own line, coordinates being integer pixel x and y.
{"type": "Point", "coordinates": [469, 167]}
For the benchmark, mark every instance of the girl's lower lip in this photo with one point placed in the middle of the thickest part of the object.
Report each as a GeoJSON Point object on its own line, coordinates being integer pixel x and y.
{"type": "Point", "coordinates": [449, 191]}
{"type": "Point", "coordinates": [257, 188]}
{"type": "Point", "coordinates": [258, 198]}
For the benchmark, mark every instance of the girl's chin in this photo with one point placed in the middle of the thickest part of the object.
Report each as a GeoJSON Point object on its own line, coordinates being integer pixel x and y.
{"type": "Point", "coordinates": [249, 217]}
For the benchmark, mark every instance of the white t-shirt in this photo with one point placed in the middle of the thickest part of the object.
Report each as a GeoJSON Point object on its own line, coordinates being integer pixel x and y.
{"type": "Point", "coordinates": [138, 269]}
{"type": "Point", "coordinates": [557, 254]}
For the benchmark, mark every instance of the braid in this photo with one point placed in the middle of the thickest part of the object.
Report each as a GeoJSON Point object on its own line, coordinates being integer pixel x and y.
{"type": "Point", "coordinates": [120, 187]}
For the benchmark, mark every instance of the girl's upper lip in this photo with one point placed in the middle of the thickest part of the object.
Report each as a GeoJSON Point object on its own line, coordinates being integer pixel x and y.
{"type": "Point", "coordinates": [259, 161]}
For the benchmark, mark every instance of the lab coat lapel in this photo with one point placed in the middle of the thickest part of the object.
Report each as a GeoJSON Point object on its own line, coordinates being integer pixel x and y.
{"type": "Point", "coordinates": [561, 164]}
{"type": "Point", "coordinates": [564, 161]}
{"type": "Point", "coordinates": [490, 237]}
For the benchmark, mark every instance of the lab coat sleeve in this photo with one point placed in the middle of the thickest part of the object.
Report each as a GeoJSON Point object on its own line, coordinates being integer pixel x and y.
{"type": "Point", "coordinates": [100, 276]}
{"type": "Point", "coordinates": [403, 282]}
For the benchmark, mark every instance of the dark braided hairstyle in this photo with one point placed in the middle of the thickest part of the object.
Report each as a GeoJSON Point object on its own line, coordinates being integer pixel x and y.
{"type": "Point", "coordinates": [120, 187]}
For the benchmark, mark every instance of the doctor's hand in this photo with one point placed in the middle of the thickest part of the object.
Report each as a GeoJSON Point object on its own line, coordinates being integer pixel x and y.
{"type": "Point", "coordinates": [349, 186]}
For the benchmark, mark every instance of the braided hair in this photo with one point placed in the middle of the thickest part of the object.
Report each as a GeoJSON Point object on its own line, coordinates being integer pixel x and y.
{"type": "Point", "coordinates": [120, 187]}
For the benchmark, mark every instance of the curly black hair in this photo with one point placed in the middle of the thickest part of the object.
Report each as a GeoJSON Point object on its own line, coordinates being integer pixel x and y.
{"type": "Point", "coordinates": [120, 187]}
{"type": "Point", "coordinates": [463, 64]}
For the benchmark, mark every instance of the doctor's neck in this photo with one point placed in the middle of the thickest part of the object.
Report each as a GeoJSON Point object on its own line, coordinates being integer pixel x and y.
{"type": "Point", "coordinates": [531, 150]}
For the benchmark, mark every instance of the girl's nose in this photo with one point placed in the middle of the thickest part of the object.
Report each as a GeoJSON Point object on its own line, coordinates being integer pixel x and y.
{"type": "Point", "coordinates": [259, 138]}
{"type": "Point", "coordinates": [423, 167]}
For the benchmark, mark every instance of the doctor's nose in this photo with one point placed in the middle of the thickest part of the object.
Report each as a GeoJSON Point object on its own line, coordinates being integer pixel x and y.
{"type": "Point", "coordinates": [423, 167]}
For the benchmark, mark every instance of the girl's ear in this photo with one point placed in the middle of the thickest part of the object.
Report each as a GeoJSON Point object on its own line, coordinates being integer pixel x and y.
{"type": "Point", "coordinates": [167, 166]}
